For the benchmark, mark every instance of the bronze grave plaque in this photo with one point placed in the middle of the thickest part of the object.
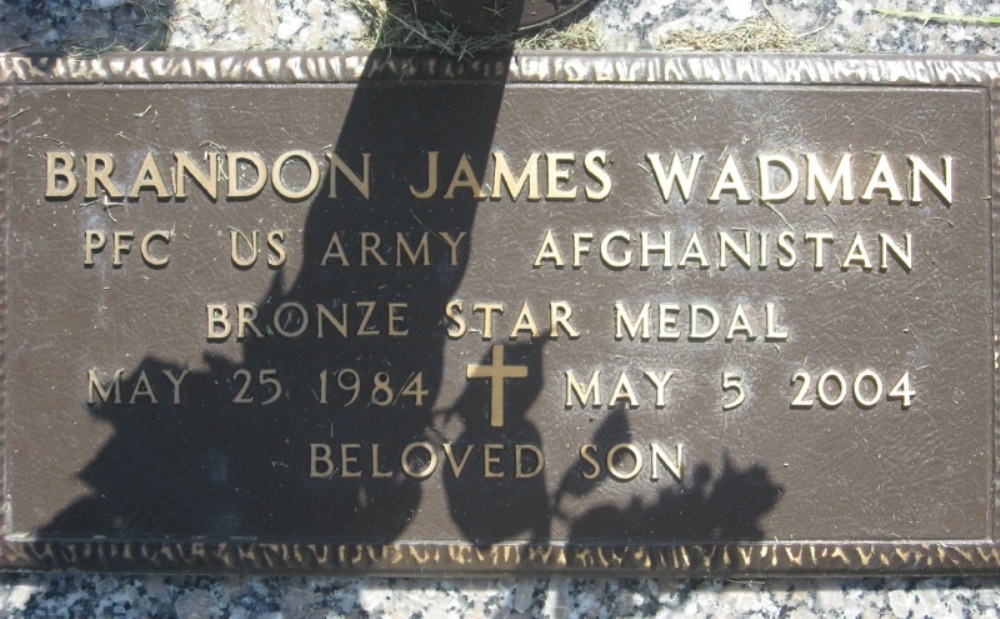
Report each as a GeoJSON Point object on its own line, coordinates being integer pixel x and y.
{"type": "Point", "coordinates": [673, 315]}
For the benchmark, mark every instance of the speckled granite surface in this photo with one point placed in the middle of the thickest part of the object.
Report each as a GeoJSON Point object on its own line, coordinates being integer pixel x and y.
{"type": "Point", "coordinates": [76, 595]}
{"type": "Point", "coordinates": [837, 25]}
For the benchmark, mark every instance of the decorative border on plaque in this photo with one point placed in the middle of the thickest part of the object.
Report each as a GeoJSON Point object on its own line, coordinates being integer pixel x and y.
{"type": "Point", "coordinates": [687, 560]}
{"type": "Point", "coordinates": [320, 67]}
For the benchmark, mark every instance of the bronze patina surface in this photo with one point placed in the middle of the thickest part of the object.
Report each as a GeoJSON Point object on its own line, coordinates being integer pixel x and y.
{"type": "Point", "coordinates": [673, 315]}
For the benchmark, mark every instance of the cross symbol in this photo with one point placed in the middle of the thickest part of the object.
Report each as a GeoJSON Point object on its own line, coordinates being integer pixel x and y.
{"type": "Point", "coordinates": [497, 372]}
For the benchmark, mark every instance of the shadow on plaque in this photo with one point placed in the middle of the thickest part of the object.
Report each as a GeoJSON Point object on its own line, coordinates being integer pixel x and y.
{"type": "Point", "coordinates": [217, 470]}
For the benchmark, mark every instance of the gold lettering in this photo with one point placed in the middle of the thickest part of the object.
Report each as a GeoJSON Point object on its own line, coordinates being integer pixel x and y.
{"type": "Point", "coordinates": [432, 177]}
{"type": "Point", "coordinates": [340, 325]}
{"type": "Point", "coordinates": [660, 382]}
{"type": "Point", "coordinates": [453, 245]}
{"type": "Point", "coordinates": [370, 242]}
{"type": "Point", "coordinates": [490, 460]}
{"type": "Point", "coordinates": [502, 176]}
{"type": "Point", "coordinates": [275, 240]}
{"type": "Point", "coordinates": [464, 176]}
{"type": "Point", "coordinates": [101, 174]}
{"type": "Point", "coordinates": [395, 318]}
{"type": "Point", "coordinates": [279, 183]}
{"type": "Point", "coordinates": [729, 180]}
{"type": "Point", "coordinates": [453, 311]}
{"type": "Point", "coordinates": [143, 388]}
{"type": "Point", "coordinates": [767, 163]}
{"type": "Point", "coordinates": [98, 389]}
{"type": "Point", "coordinates": [648, 247]}
{"type": "Point", "coordinates": [431, 460]}
{"type": "Point", "coordinates": [377, 473]}
{"type": "Point", "coordinates": [659, 456]}
{"type": "Point", "coordinates": [684, 180]}
{"type": "Point", "coordinates": [742, 253]}
{"type": "Point", "coordinates": [176, 382]}
{"type": "Point", "coordinates": [525, 322]}
{"type": "Point", "coordinates": [668, 321]}
{"type": "Point", "coordinates": [740, 324]}
{"type": "Point", "coordinates": [209, 182]}
{"type": "Point", "coordinates": [519, 472]}
{"type": "Point", "coordinates": [559, 314]}
{"type": "Point", "coordinates": [556, 176]}
{"type": "Point", "coordinates": [548, 251]}
{"type": "Point", "coordinates": [593, 164]}
{"type": "Point", "coordinates": [579, 249]}
{"type": "Point", "coordinates": [623, 390]}
{"type": "Point", "coordinates": [403, 247]}
{"type": "Point", "coordinates": [819, 238]}
{"type": "Point", "coordinates": [161, 235]}
{"type": "Point", "coordinates": [121, 245]}
{"type": "Point", "coordinates": [347, 459]}
{"type": "Point", "coordinates": [904, 258]}
{"type": "Point", "coordinates": [587, 452]}
{"type": "Point", "coordinates": [234, 252]}
{"type": "Point", "coordinates": [786, 242]}
{"type": "Point", "coordinates": [361, 183]}
{"type": "Point", "coordinates": [94, 241]}
{"type": "Point", "coordinates": [612, 463]}
{"type": "Point", "coordinates": [857, 254]}
{"type": "Point", "coordinates": [59, 166]}
{"type": "Point", "coordinates": [369, 307]}
{"type": "Point", "coordinates": [693, 251]}
{"type": "Point", "coordinates": [625, 324]}
{"type": "Point", "coordinates": [456, 467]}
{"type": "Point", "coordinates": [234, 168]}
{"type": "Point", "coordinates": [219, 326]}
{"type": "Point", "coordinates": [815, 177]}
{"type": "Point", "coordinates": [774, 330]}
{"type": "Point", "coordinates": [626, 256]}
{"type": "Point", "coordinates": [335, 250]}
{"type": "Point", "coordinates": [882, 179]}
{"type": "Point", "coordinates": [940, 184]}
{"type": "Point", "coordinates": [246, 314]}
{"type": "Point", "coordinates": [488, 309]}
{"type": "Point", "coordinates": [697, 332]}
{"type": "Point", "coordinates": [574, 388]}
{"type": "Point", "coordinates": [319, 453]}
{"type": "Point", "coordinates": [279, 324]}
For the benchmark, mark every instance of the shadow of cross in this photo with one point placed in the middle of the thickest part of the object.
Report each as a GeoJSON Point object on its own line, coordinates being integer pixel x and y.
{"type": "Point", "coordinates": [219, 465]}
{"type": "Point", "coordinates": [497, 372]}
